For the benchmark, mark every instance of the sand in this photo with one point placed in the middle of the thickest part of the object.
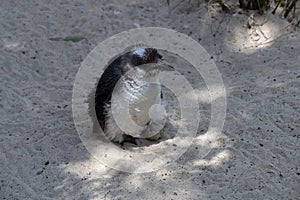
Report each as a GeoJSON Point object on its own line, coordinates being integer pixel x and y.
{"type": "Point", "coordinates": [42, 156]}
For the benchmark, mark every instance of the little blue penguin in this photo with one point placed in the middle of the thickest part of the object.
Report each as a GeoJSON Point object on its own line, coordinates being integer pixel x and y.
{"type": "Point", "coordinates": [128, 98]}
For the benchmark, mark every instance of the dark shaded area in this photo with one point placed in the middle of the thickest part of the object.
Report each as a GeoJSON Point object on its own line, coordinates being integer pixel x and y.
{"type": "Point", "coordinates": [260, 5]}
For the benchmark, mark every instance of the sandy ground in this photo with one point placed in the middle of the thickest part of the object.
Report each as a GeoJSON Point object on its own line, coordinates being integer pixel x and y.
{"type": "Point", "coordinates": [42, 157]}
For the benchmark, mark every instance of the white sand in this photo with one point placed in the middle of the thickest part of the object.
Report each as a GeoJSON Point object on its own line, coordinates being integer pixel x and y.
{"type": "Point", "coordinates": [42, 157]}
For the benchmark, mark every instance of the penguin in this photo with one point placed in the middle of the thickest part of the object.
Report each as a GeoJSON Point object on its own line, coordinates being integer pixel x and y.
{"type": "Point", "coordinates": [129, 91]}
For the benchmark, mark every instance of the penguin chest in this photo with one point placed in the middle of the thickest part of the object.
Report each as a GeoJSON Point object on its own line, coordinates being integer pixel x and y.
{"type": "Point", "coordinates": [131, 103]}
{"type": "Point", "coordinates": [141, 102]}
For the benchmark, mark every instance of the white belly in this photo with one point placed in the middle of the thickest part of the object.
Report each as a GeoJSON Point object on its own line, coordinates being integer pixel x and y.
{"type": "Point", "coordinates": [140, 105]}
{"type": "Point", "coordinates": [129, 112]}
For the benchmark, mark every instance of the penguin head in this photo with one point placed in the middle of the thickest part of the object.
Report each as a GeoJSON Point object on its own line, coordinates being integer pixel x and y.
{"type": "Point", "coordinates": [138, 57]}
{"type": "Point", "coordinates": [142, 56]}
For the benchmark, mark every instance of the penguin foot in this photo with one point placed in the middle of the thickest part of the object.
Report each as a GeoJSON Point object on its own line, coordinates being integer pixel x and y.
{"type": "Point", "coordinates": [129, 139]}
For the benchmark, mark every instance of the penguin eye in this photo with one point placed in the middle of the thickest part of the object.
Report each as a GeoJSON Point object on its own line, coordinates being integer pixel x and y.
{"type": "Point", "coordinates": [137, 60]}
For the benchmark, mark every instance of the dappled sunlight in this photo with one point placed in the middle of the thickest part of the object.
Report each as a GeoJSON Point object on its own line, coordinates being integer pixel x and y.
{"type": "Point", "coordinates": [233, 120]}
{"type": "Point", "coordinates": [81, 169]}
{"type": "Point", "coordinates": [207, 96]}
{"type": "Point", "coordinates": [86, 178]}
{"type": "Point", "coordinates": [13, 45]}
{"type": "Point", "coordinates": [257, 33]}
{"type": "Point", "coordinates": [209, 139]}
{"type": "Point", "coordinates": [215, 161]}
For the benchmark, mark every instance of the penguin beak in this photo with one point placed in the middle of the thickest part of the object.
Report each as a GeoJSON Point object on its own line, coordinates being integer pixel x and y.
{"type": "Point", "coordinates": [164, 66]}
